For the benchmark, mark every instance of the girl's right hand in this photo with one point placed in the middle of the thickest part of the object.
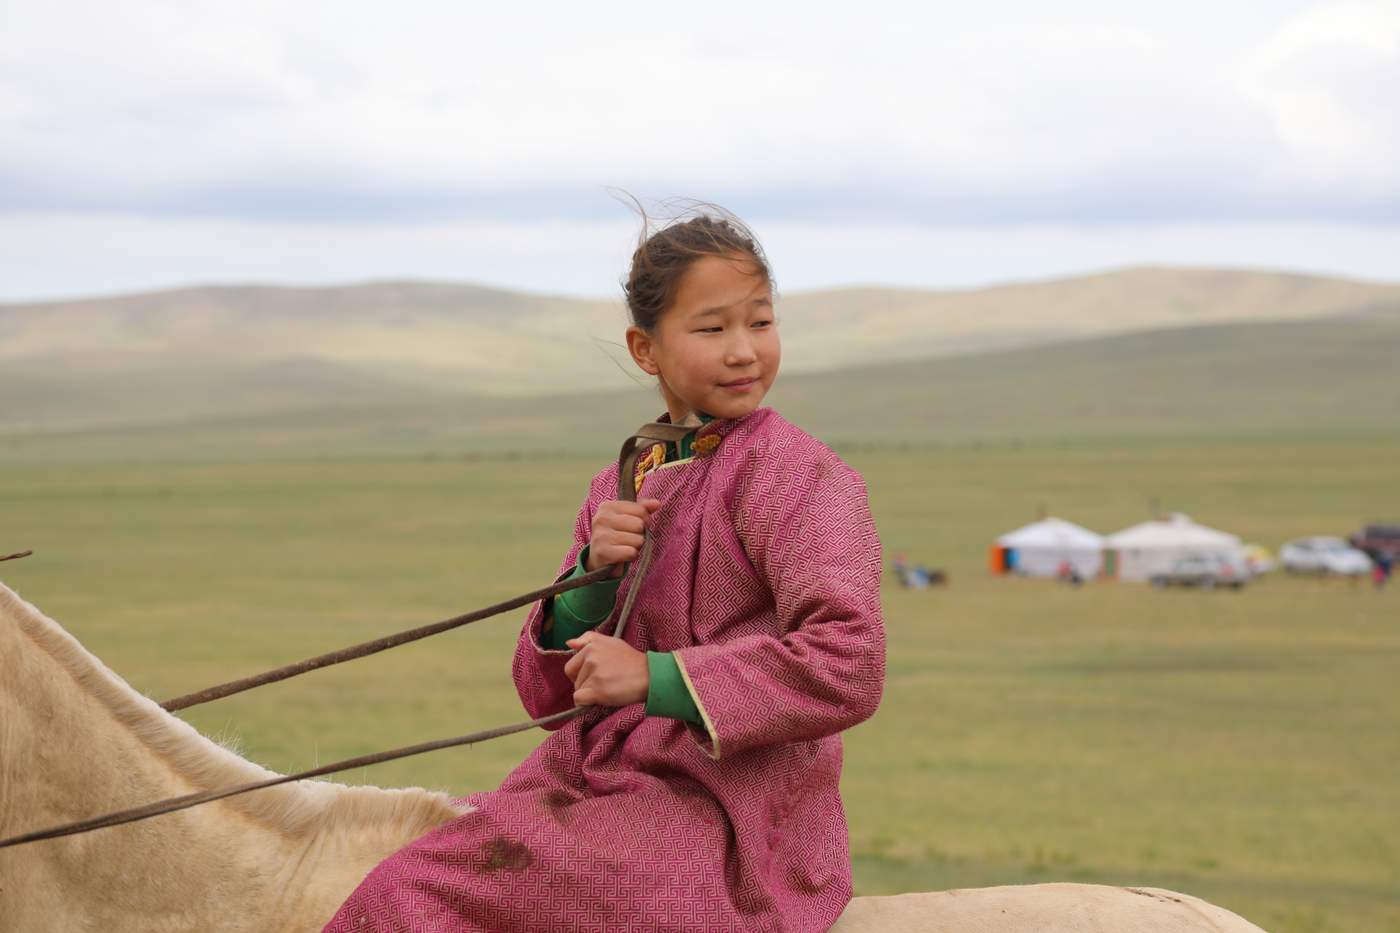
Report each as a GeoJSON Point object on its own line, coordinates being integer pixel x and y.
{"type": "Point", "coordinates": [619, 528]}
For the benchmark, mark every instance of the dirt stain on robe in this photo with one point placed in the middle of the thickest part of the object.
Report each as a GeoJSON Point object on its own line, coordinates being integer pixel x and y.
{"type": "Point", "coordinates": [557, 802]}
{"type": "Point", "coordinates": [502, 852]}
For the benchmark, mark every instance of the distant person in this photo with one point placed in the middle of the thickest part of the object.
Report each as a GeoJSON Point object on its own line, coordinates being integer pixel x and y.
{"type": "Point", "coordinates": [698, 790]}
{"type": "Point", "coordinates": [1381, 568]}
{"type": "Point", "coordinates": [916, 577]}
{"type": "Point", "coordinates": [1068, 573]}
{"type": "Point", "coordinates": [902, 571]}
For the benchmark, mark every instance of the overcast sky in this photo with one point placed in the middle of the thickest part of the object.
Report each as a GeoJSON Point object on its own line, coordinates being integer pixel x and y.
{"type": "Point", "coordinates": [147, 144]}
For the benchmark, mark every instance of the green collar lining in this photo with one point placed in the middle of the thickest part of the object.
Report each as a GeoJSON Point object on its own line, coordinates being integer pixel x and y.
{"type": "Point", "coordinates": [686, 443]}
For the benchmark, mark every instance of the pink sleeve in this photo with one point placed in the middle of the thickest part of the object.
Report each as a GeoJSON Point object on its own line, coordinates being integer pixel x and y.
{"type": "Point", "coordinates": [807, 529]}
{"type": "Point", "coordinates": [538, 672]}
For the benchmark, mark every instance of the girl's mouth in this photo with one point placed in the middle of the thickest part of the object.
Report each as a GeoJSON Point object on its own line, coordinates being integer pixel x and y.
{"type": "Point", "coordinates": [738, 386]}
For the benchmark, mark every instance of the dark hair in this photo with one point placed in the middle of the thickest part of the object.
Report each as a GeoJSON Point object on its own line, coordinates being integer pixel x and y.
{"type": "Point", "coordinates": [663, 255]}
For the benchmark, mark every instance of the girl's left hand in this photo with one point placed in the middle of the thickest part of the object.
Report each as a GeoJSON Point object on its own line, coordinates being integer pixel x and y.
{"type": "Point", "coordinates": [606, 671]}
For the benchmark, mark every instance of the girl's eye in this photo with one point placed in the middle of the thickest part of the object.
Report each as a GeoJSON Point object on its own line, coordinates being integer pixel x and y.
{"type": "Point", "coordinates": [763, 323]}
{"type": "Point", "coordinates": [709, 330]}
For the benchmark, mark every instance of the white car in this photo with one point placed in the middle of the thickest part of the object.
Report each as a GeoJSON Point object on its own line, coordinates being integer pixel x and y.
{"type": "Point", "coordinates": [1325, 556]}
{"type": "Point", "coordinates": [1206, 571]}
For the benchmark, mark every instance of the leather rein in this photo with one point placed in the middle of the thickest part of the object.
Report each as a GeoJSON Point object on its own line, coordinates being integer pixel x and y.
{"type": "Point", "coordinates": [632, 449]}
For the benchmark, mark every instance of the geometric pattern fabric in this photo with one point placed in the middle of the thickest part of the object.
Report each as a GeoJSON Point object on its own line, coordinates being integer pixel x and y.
{"type": "Point", "coordinates": [764, 581]}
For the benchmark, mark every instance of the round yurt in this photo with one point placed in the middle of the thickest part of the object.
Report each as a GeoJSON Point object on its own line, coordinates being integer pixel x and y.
{"type": "Point", "coordinates": [1042, 548]}
{"type": "Point", "coordinates": [1136, 553]}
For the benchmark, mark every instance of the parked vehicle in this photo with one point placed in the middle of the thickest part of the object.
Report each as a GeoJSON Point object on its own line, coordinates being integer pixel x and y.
{"type": "Point", "coordinates": [1206, 571]}
{"type": "Point", "coordinates": [1324, 555]}
{"type": "Point", "coordinates": [1377, 540]}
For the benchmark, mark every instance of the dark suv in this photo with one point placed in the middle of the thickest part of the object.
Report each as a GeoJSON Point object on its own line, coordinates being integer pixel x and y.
{"type": "Point", "coordinates": [1376, 540]}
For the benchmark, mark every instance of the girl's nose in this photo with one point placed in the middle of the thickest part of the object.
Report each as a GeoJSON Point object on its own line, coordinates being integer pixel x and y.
{"type": "Point", "coordinates": [740, 351]}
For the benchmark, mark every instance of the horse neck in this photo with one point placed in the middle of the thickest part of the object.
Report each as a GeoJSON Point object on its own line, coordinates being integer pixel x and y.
{"type": "Point", "coordinates": [76, 741]}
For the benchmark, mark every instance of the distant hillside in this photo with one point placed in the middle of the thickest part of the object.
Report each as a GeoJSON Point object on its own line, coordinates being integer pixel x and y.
{"type": "Point", "coordinates": [459, 337]}
{"type": "Point", "coordinates": [878, 325]}
{"type": "Point", "coordinates": [1329, 374]}
{"type": "Point", "coordinates": [204, 352]}
{"type": "Point", "coordinates": [49, 396]}
{"type": "Point", "coordinates": [1332, 375]}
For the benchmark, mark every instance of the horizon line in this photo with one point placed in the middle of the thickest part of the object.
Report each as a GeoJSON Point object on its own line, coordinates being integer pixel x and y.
{"type": "Point", "coordinates": [349, 284]}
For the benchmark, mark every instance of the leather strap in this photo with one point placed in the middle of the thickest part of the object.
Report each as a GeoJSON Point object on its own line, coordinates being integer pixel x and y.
{"type": "Point", "coordinates": [655, 431]}
{"type": "Point", "coordinates": [193, 800]}
{"type": "Point", "coordinates": [626, 489]}
{"type": "Point", "coordinates": [627, 464]}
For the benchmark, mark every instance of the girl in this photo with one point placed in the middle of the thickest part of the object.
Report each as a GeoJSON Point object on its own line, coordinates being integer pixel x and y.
{"type": "Point", "coordinates": [700, 791]}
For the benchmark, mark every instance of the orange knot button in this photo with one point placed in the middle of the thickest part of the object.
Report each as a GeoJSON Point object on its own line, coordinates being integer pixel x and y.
{"type": "Point", "coordinates": [706, 444]}
{"type": "Point", "coordinates": [647, 462]}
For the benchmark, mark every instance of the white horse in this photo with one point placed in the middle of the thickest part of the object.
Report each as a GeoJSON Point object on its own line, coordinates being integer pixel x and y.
{"type": "Point", "coordinates": [76, 741]}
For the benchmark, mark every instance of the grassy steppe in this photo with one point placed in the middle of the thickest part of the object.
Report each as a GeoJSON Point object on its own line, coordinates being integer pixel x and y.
{"type": "Point", "coordinates": [200, 352]}
{"type": "Point", "coordinates": [1243, 747]}
{"type": "Point", "coordinates": [1225, 380]}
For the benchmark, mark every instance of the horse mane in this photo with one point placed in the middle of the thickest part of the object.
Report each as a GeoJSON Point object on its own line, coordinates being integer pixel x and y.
{"type": "Point", "coordinates": [291, 809]}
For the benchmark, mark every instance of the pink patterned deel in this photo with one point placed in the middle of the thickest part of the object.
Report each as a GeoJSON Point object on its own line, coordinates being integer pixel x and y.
{"type": "Point", "coordinates": [765, 582]}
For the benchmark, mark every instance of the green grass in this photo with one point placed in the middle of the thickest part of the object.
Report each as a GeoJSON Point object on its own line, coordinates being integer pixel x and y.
{"type": "Point", "coordinates": [1242, 747]}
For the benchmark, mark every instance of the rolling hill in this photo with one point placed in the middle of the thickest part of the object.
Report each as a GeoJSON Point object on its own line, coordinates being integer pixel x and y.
{"type": "Point", "coordinates": [1337, 374]}
{"type": "Point", "coordinates": [258, 350]}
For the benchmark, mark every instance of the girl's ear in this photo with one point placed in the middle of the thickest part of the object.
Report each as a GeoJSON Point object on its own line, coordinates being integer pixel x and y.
{"type": "Point", "coordinates": [642, 347]}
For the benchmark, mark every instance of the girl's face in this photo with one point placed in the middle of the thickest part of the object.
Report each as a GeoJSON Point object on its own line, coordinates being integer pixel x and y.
{"type": "Point", "coordinates": [715, 349]}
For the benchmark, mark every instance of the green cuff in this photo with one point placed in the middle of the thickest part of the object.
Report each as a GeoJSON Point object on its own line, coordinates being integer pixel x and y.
{"type": "Point", "coordinates": [668, 695]}
{"type": "Point", "coordinates": [577, 611]}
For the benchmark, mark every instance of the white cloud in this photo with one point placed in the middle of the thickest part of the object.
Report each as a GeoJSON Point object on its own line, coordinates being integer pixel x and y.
{"type": "Point", "coordinates": [1328, 78]}
{"type": "Point", "coordinates": [886, 111]}
{"type": "Point", "coordinates": [417, 136]}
